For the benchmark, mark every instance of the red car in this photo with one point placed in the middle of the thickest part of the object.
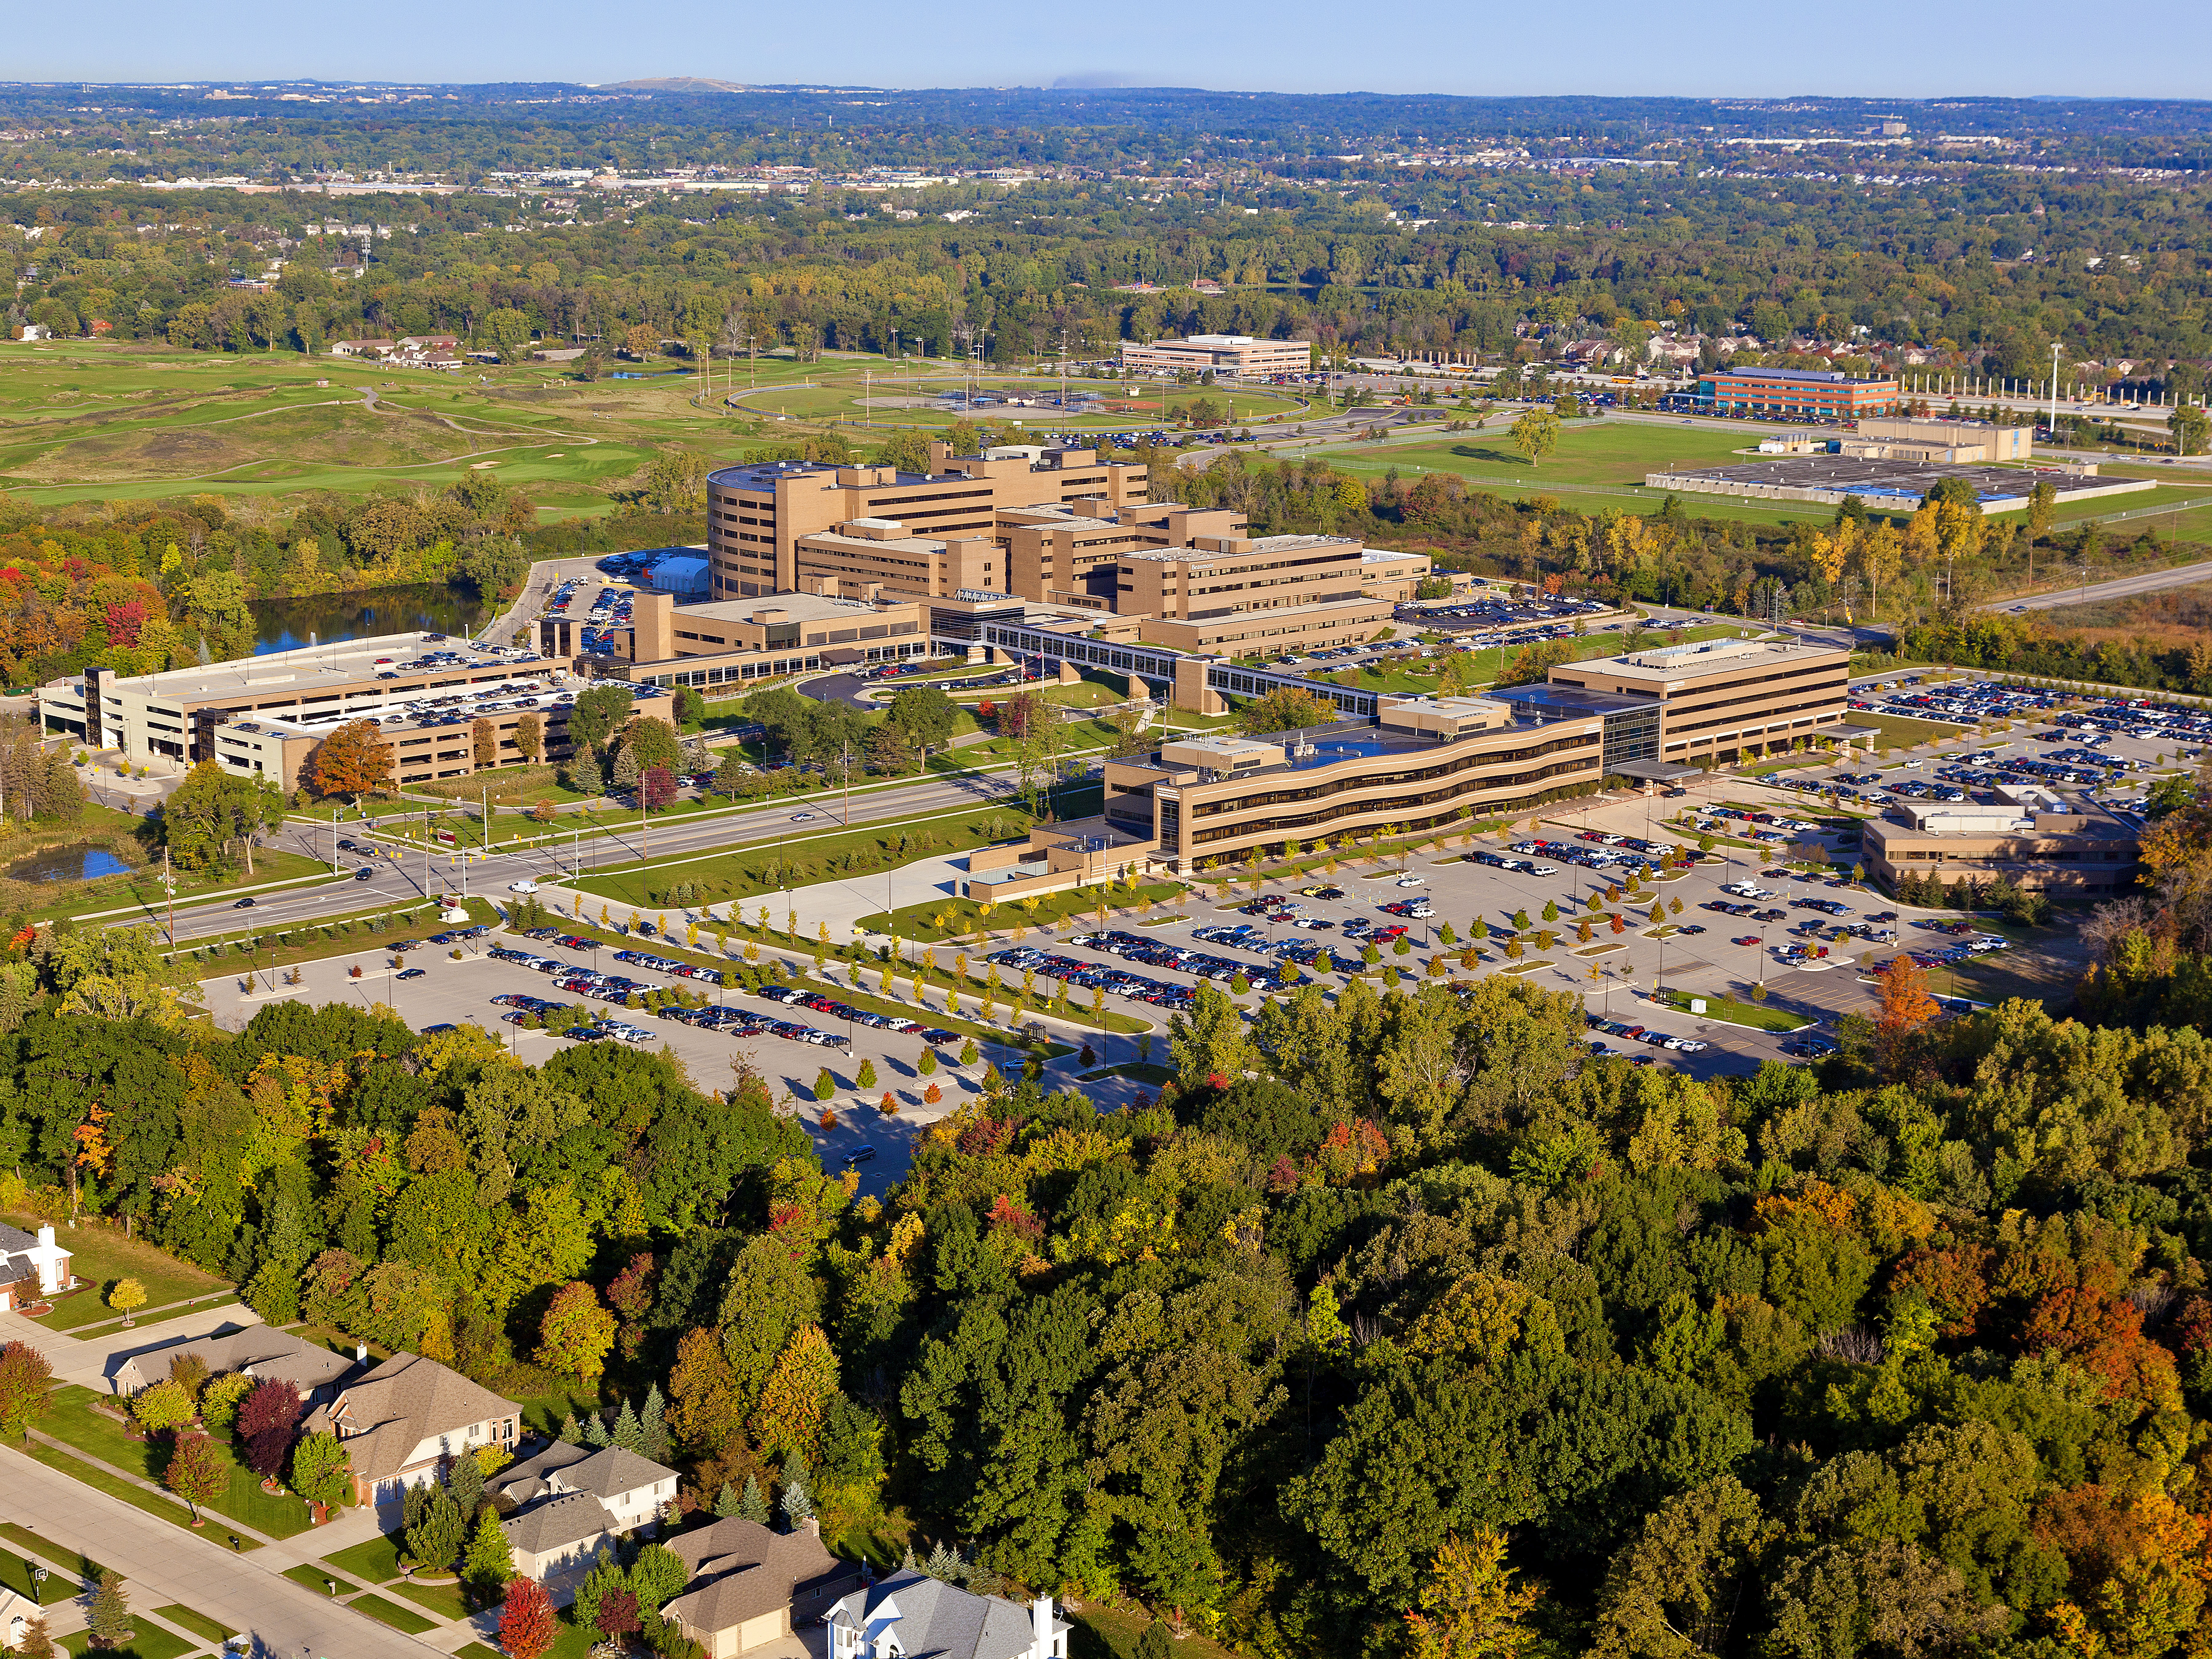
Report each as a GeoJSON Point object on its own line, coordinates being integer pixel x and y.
{"type": "Point", "coordinates": [1748, 938]}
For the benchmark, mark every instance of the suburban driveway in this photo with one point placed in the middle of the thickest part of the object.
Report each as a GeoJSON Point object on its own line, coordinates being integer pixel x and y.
{"type": "Point", "coordinates": [164, 1564]}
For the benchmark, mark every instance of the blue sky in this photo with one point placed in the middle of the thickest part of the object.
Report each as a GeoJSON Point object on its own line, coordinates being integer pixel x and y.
{"type": "Point", "coordinates": [1882, 48]}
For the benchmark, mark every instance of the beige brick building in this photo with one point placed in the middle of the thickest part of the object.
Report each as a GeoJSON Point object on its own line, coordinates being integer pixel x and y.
{"type": "Point", "coordinates": [2020, 838]}
{"type": "Point", "coordinates": [1225, 353]}
{"type": "Point", "coordinates": [756, 514]}
{"type": "Point", "coordinates": [1725, 700]}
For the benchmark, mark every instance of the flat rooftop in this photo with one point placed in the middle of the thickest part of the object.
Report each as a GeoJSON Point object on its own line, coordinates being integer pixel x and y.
{"type": "Point", "coordinates": [320, 667]}
{"type": "Point", "coordinates": [1663, 664]}
{"type": "Point", "coordinates": [1563, 702]}
{"type": "Point", "coordinates": [1258, 544]}
{"type": "Point", "coordinates": [796, 607]}
{"type": "Point", "coordinates": [1895, 483]}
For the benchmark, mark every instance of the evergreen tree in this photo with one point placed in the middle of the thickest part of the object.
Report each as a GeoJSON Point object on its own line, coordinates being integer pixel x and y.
{"type": "Point", "coordinates": [109, 1620]}
{"type": "Point", "coordinates": [464, 1483]}
{"type": "Point", "coordinates": [753, 1506]}
{"type": "Point", "coordinates": [726, 1504]}
{"type": "Point", "coordinates": [943, 1564]}
{"type": "Point", "coordinates": [906, 1563]}
{"type": "Point", "coordinates": [653, 1430]}
{"type": "Point", "coordinates": [627, 1433]}
{"type": "Point", "coordinates": [798, 1506]}
{"type": "Point", "coordinates": [570, 1434]}
{"type": "Point", "coordinates": [595, 1431]}
{"type": "Point", "coordinates": [490, 1563]}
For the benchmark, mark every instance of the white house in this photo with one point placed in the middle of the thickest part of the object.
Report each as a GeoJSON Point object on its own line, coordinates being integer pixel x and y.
{"type": "Point", "coordinates": [911, 1612]}
{"type": "Point", "coordinates": [31, 1269]}
{"type": "Point", "coordinates": [634, 1491]}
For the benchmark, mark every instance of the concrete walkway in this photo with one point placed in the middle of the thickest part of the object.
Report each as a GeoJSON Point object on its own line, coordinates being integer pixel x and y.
{"type": "Point", "coordinates": [87, 1360]}
{"type": "Point", "coordinates": [162, 1563]}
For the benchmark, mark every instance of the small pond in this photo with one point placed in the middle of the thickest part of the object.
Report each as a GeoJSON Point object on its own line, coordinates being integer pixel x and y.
{"type": "Point", "coordinates": [80, 862]}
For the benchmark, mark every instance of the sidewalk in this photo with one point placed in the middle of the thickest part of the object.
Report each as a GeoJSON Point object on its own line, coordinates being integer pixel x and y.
{"type": "Point", "coordinates": [163, 1564]}
{"type": "Point", "coordinates": [87, 1360]}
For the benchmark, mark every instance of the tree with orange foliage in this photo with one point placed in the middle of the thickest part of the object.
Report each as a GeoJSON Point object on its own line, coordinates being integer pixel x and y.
{"type": "Point", "coordinates": [1954, 1284]}
{"type": "Point", "coordinates": [2137, 1570]}
{"type": "Point", "coordinates": [2104, 1336]}
{"type": "Point", "coordinates": [352, 760]}
{"type": "Point", "coordinates": [1905, 1004]}
{"type": "Point", "coordinates": [527, 1627]}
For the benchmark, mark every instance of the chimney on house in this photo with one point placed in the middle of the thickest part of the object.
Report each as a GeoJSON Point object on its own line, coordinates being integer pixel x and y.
{"type": "Point", "coordinates": [812, 1526]}
{"type": "Point", "coordinates": [360, 1353]}
{"type": "Point", "coordinates": [1040, 1628]}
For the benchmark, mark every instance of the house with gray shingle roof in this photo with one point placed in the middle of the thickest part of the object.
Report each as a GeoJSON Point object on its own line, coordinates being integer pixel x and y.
{"type": "Point", "coordinates": [256, 1350]}
{"type": "Point", "coordinates": [568, 1529]}
{"type": "Point", "coordinates": [911, 1615]}
{"type": "Point", "coordinates": [631, 1491]}
{"type": "Point", "coordinates": [402, 1420]}
{"type": "Point", "coordinates": [750, 1586]}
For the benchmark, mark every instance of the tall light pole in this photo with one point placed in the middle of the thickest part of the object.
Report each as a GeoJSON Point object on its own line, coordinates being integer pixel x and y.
{"type": "Point", "coordinates": [2054, 348]}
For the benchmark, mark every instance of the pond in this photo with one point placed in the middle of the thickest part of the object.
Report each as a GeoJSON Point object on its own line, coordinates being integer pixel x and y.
{"type": "Point", "coordinates": [79, 862]}
{"type": "Point", "coordinates": [287, 624]}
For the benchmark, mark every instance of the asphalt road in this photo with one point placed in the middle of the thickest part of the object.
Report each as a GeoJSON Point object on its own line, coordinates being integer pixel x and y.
{"type": "Point", "coordinates": [402, 880]}
{"type": "Point", "coordinates": [2119, 589]}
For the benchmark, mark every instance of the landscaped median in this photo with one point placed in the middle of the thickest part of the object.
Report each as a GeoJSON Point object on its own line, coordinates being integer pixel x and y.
{"type": "Point", "coordinates": [1729, 1012]}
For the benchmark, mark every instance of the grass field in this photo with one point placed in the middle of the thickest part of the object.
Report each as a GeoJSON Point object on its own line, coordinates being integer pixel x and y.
{"type": "Point", "coordinates": [102, 1256]}
{"type": "Point", "coordinates": [111, 420]}
{"type": "Point", "coordinates": [371, 1562]}
{"type": "Point", "coordinates": [1729, 1012]}
{"type": "Point", "coordinates": [314, 1578]}
{"type": "Point", "coordinates": [97, 1433]}
{"type": "Point", "coordinates": [76, 1569]}
{"type": "Point", "coordinates": [99, 1479]}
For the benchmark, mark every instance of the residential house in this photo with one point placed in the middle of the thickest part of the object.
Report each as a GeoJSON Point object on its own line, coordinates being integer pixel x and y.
{"type": "Point", "coordinates": [634, 1491]}
{"type": "Point", "coordinates": [912, 1613]}
{"type": "Point", "coordinates": [16, 1612]}
{"type": "Point", "coordinates": [558, 1534]}
{"type": "Point", "coordinates": [363, 348]}
{"type": "Point", "coordinates": [260, 1352]}
{"type": "Point", "coordinates": [31, 1270]}
{"type": "Point", "coordinates": [402, 1420]}
{"type": "Point", "coordinates": [750, 1586]}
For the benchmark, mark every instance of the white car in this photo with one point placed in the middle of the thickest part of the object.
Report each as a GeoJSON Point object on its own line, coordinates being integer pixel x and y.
{"type": "Point", "coordinates": [1543, 869]}
{"type": "Point", "coordinates": [1912, 765]}
{"type": "Point", "coordinates": [526, 885]}
{"type": "Point", "coordinates": [1413, 881]}
{"type": "Point", "coordinates": [800, 818]}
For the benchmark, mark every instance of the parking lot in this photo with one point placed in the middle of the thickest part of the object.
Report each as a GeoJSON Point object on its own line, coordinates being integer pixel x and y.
{"type": "Point", "coordinates": [444, 991]}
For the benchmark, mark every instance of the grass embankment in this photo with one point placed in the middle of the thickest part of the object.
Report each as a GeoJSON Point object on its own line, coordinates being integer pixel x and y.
{"type": "Point", "coordinates": [769, 868]}
{"type": "Point", "coordinates": [100, 1254]}
{"type": "Point", "coordinates": [371, 934]}
{"type": "Point", "coordinates": [16, 1574]}
{"type": "Point", "coordinates": [78, 1419]}
{"type": "Point", "coordinates": [115, 1485]}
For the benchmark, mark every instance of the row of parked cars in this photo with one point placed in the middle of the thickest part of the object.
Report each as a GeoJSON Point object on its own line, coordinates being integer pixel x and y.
{"type": "Point", "coordinates": [1641, 1034]}
{"type": "Point", "coordinates": [1588, 851]}
{"type": "Point", "coordinates": [605, 1029]}
{"type": "Point", "coordinates": [797, 996]}
{"type": "Point", "coordinates": [1153, 952]}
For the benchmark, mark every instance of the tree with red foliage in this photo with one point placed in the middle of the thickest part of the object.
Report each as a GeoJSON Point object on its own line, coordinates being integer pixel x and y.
{"type": "Point", "coordinates": [1010, 1214]}
{"type": "Point", "coordinates": [527, 1629]}
{"type": "Point", "coordinates": [657, 788]}
{"type": "Point", "coordinates": [617, 1614]}
{"type": "Point", "coordinates": [631, 1295]}
{"type": "Point", "coordinates": [125, 621]}
{"type": "Point", "coordinates": [267, 1420]}
{"type": "Point", "coordinates": [2104, 1336]}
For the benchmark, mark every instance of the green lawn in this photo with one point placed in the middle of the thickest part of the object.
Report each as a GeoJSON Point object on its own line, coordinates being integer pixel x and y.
{"type": "Point", "coordinates": [198, 1623]}
{"type": "Point", "coordinates": [371, 1562]}
{"type": "Point", "coordinates": [389, 1612]}
{"type": "Point", "coordinates": [101, 1254]}
{"type": "Point", "coordinates": [79, 1569]}
{"type": "Point", "coordinates": [956, 918]}
{"type": "Point", "coordinates": [147, 1321]}
{"type": "Point", "coordinates": [115, 1487]}
{"type": "Point", "coordinates": [314, 1578]}
{"type": "Point", "coordinates": [150, 1643]}
{"type": "Point", "coordinates": [749, 873]}
{"type": "Point", "coordinates": [15, 1574]}
{"type": "Point", "coordinates": [446, 1601]}
{"type": "Point", "coordinates": [77, 1419]}
{"type": "Point", "coordinates": [1142, 1071]}
{"type": "Point", "coordinates": [1898, 733]}
{"type": "Point", "coordinates": [1729, 1012]}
